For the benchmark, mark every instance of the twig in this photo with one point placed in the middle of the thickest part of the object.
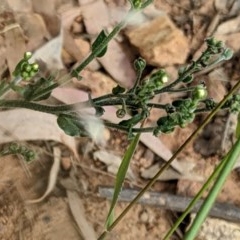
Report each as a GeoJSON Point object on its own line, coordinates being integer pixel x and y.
{"type": "Point", "coordinates": [174, 202]}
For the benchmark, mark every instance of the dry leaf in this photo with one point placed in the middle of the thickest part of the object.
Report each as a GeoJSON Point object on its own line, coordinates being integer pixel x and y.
{"type": "Point", "coordinates": [93, 24]}
{"type": "Point", "coordinates": [97, 82]}
{"type": "Point", "coordinates": [15, 47]}
{"type": "Point", "coordinates": [168, 174]}
{"type": "Point", "coordinates": [77, 210]}
{"type": "Point", "coordinates": [112, 161]}
{"type": "Point", "coordinates": [17, 5]}
{"type": "Point", "coordinates": [230, 8]}
{"type": "Point", "coordinates": [230, 26]}
{"type": "Point", "coordinates": [116, 61]}
{"type": "Point", "coordinates": [171, 174]}
{"type": "Point", "coordinates": [34, 29]}
{"type": "Point", "coordinates": [47, 9]}
{"type": "Point", "coordinates": [50, 53]}
{"type": "Point", "coordinates": [28, 125]}
{"type": "Point", "coordinates": [52, 176]}
{"type": "Point", "coordinates": [3, 65]}
{"type": "Point", "coordinates": [118, 64]}
{"type": "Point", "coordinates": [231, 40]}
{"type": "Point", "coordinates": [68, 16]}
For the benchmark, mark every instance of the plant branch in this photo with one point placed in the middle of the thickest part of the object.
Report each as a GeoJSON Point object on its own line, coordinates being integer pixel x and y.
{"type": "Point", "coordinates": [168, 163]}
{"type": "Point", "coordinates": [43, 108]}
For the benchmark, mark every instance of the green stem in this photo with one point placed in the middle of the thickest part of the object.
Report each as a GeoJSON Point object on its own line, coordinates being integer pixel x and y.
{"type": "Point", "coordinates": [105, 42]}
{"type": "Point", "coordinates": [196, 198]}
{"type": "Point", "coordinates": [209, 201]}
{"type": "Point", "coordinates": [5, 88]}
{"type": "Point", "coordinates": [191, 70]}
{"type": "Point", "coordinates": [93, 54]}
{"type": "Point", "coordinates": [168, 163]}
{"type": "Point", "coordinates": [43, 108]}
{"type": "Point", "coordinates": [126, 129]}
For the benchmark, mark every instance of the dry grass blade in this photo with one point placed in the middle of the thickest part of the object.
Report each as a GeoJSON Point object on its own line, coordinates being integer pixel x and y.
{"type": "Point", "coordinates": [52, 176]}
{"type": "Point", "coordinates": [77, 210]}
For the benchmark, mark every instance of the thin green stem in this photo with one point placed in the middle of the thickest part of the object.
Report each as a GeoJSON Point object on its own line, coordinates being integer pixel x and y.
{"type": "Point", "coordinates": [105, 42]}
{"type": "Point", "coordinates": [191, 70]}
{"type": "Point", "coordinates": [196, 198]}
{"type": "Point", "coordinates": [167, 164]}
{"type": "Point", "coordinates": [97, 100]}
{"type": "Point", "coordinates": [5, 88]}
{"type": "Point", "coordinates": [126, 129]}
{"type": "Point", "coordinates": [64, 80]}
{"type": "Point", "coordinates": [43, 108]}
{"type": "Point", "coordinates": [187, 89]}
{"type": "Point", "coordinates": [209, 201]}
{"type": "Point", "coordinates": [156, 105]}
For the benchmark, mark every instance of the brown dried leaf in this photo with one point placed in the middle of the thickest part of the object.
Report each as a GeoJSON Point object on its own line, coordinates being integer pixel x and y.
{"type": "Point", "coordinates": [20, 5]}
{"type": "Point", "coordinates": [230, 26]}
{"type": "Point", "coordinates": [52, 176]}
{"type": "Point", "coordinates": [95, 22]}
{"type": "Point", "coordinates": [27, 125]}
{"type": "Point", "coordinates": [68, 16]}
{"type": "Point", "coordinates": [231, 40]}
{"type": "Point", "coordinates": [34, 29]}
{"type": "Point", "coordinates": [116, 61]}
{"type": "Point", "coordinates": [78, 213]}
{"type": "Point", "coordinates": [15, 47]}
{"type": "Point", "coordinates": [112, 161]}
{"type": "Point", "coordinates": [47, 9]}
{"type": "Point", "coordinates": [3, 65]}
{"type": "Point", "coordinates": [50, 53]}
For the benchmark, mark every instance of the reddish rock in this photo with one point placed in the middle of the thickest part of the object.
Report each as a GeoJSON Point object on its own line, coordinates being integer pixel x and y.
{"type": "Point", "coordinates": [160, 42]}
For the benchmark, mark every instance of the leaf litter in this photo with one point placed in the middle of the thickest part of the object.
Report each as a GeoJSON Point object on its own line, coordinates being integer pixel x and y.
{"type": "Point", "coordinates": [51, 131]}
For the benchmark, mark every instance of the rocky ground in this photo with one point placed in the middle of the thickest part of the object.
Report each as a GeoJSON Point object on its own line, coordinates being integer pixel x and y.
{"type": "Point", "coordinates": [168, 35]}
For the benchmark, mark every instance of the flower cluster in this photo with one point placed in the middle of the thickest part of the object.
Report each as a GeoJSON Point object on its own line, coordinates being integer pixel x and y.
{"type": "Point", "coordinates": [15, 148]}
{"type": "Point", "coordinates": [183, 112]}
{"type": "Point", "coordinates": [148, 87]}
{"type": "Point", "coordinates": [25, 69]}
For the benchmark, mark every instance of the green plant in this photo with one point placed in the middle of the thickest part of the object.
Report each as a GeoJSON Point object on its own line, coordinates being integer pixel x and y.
{"type": "Point", "coordinates": [179, 113]}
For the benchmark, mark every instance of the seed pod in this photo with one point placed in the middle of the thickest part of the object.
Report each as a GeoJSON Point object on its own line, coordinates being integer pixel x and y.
{"type": "Point", "coordinates": [199, 93]}
{"type": "Point", "coordinates": [35, 67]}
{"type": "Point", "coordinates": [139, 64]}
{"type": "Point", "coordinates": [28, 68]}
{"type": "Point", "coordinates": [121, 113]}
{"type": "Point", "coordinates": [27, 55]}
{"type": "Point", "coordinates": [24, 75]}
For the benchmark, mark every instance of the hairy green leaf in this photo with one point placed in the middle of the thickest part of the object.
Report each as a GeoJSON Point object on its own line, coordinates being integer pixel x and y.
{"type": "Point", "coordinates": [31, 91]}
{"type": "Point", "coordinates": [71, 126]}
{"type": "Point", "coordinates": [121, 174]}
{"type": "Point", "coordinates": [100, 38]}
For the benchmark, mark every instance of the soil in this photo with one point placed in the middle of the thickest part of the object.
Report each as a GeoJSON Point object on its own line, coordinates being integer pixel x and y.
{"type": "Point", "coordinates": [53, 217]}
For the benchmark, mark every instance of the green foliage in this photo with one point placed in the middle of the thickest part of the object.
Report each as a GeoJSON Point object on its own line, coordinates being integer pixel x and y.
{"type": "Point", "coordinates": [229, 162]}
{"type": "Point", "coordinates": [118, 89]}
{"type": "Point", "coordinates": [25, 69]}
{"type": "Point", "coordinates": [32, 92]}
{"type": "Point", "coordinates": [100, 38]}
{"type": "Point", "coordinates": [137, 100]}
{"type": "Point", "coordinates": [15, 148]}
{"type": "Point", "coordinates": [120, 177]}
{"type": "Point", "coordinates": [71, 126]}
{"type": "Point", "coordinates": [139, 64]}
{"type": "Point", "coordinates": [139, 4]}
